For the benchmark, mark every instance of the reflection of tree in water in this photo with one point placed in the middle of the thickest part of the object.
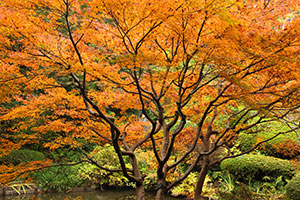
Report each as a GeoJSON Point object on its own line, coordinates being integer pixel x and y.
{"type": "Point", "coordinates": [19, 197]}
{"type": "Point", "coordinates": [94, 195]}
{"type": "Point", "coordinates": [127, 197]}
{"type": "Point", "coordinates": [133, 197]}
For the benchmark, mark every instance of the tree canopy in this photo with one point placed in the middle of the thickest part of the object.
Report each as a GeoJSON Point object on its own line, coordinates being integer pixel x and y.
{"type": "Point", "coordinates": [181, 78]}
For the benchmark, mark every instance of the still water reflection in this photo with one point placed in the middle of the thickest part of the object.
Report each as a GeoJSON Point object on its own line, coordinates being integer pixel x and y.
{"type": "Point", "coordinates": [95, 195]}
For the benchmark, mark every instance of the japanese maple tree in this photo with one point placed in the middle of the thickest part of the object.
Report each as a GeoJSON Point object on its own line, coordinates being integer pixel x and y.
{"type": "Point", "coordinates": [183, 78]}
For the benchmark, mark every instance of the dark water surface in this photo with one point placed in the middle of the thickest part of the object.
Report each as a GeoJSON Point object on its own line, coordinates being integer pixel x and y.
{"type": "Point", "coordinates": [95, 195]}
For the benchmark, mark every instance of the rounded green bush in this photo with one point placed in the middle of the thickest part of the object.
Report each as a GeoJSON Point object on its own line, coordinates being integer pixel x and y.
{"type": "Point", "coordinates": [247, 141]}
{"type": "Point", "coordinates": [58, 179]}
{"type": "Point", "coordinates": [284, 146]}
{"type": "Point", "coordinates": [23, 155]}
{"type": "Point", "coordinates": [251, 166]}
{"type": "Point", "coordinates": [105, 157]}
{"type": "Point", "coordinates": [293, 188]}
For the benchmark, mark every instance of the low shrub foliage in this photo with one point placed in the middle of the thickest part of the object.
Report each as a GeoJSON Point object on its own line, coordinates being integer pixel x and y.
{"type": "Point", "coordinates": [23, 155]}
{"type": "Point", "coordinates": [293, 188]}
{"type": "Point", "coordinates": [251, 166]}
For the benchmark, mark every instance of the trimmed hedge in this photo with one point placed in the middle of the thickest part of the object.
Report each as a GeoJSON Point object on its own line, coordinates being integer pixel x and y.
{"type": "Point", "coordinates": [247, 141]}
{"type": "Point", "coordinates": [286, 149]}
{"type": "Point", "coordinates": [23, 155]}
{"type": "Point", "coordinates": [293, 188]}
{"type": "Point", "coordinates": [258, 166]}
{"type": "Point", "coordinates": [283, 146]}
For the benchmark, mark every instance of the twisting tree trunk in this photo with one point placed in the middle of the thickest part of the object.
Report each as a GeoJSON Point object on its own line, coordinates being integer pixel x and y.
{"type": "Point", "coordinates": [161, 173]}
{"type": "Point", "coordinates": [160, 194]}
{"type": "Point", "coordinates": [140, 189]}
{"type": "Point", "coordinates": [201, 179]}
{"type": "Point", "coordinates": [206, 162]}
{"type": "Point", "coordinates": [140, 192]}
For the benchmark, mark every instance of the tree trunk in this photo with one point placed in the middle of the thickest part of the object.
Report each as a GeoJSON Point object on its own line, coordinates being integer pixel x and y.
{"type": "Point", "coordinates": [140, 189]}
{"type": "Point", "coordinates": [204, 169]}
{"type": "Point", "coordinates": [140, 192]}
{"type": "Point", "coordinates": [201, 179]}
{"type": "Point", "coordinates": [160, 194]}
{"type": "Point", "coordinates": [161, 182]}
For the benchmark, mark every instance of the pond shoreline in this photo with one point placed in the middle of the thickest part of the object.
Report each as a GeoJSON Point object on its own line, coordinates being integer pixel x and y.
{"type": "Point", "coordinates": [9, 191]}
{"type": "Point", "coordinates": [90, 194]}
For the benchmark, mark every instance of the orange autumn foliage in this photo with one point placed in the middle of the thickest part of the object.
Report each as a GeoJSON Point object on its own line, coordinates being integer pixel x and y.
{"type": "Point", "coordinates": [166, 75]}
{"type": "Point", "coordinates": [287, 149]}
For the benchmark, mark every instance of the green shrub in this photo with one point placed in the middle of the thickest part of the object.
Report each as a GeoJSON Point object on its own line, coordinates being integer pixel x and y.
{"type": "Point", "coordinates": [247, 141]}
{"type": "Point", "coordinates": [59, 179]}
{"type": "Point", "coordinates": [23, 155]}
{"type": "Point", "coordinates": [106, 157]}
{"type": "Point", "coordinates": [148, 166]}
{"type": "Point", "coordinates": [187, 186]}
{"type": "Point", "coordinates": [230, 188]}
{"type": "Point", "coordinates": [284, 146]}
{"type": "Point", "coordinates": [293, 188]}
{"type": "Point", "coordinates": [225, 180]}
{"type": "Point", "coordinates": [250, 166]}
{"type": "Point", "coordinates": [239, 192]}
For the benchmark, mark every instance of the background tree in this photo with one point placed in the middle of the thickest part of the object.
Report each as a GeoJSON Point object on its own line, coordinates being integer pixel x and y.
{"type": "Point", "coordinates": [182, 78]}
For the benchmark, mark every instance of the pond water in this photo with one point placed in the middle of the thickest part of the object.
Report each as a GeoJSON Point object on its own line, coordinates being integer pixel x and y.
{"type": "Point", "coordinates": [94, 195]}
